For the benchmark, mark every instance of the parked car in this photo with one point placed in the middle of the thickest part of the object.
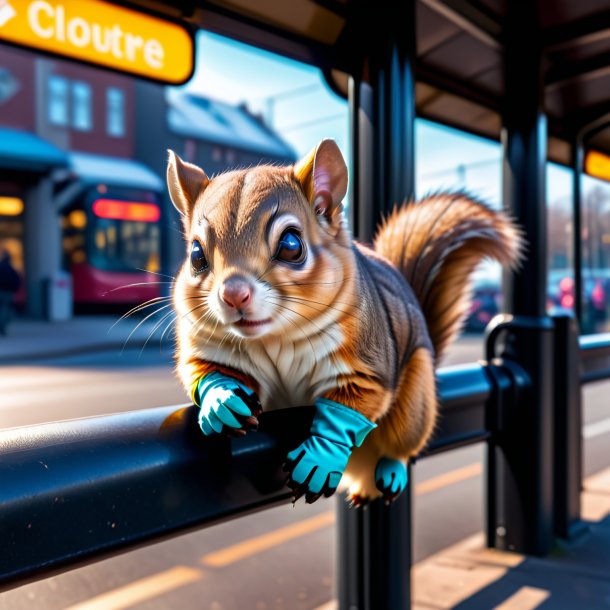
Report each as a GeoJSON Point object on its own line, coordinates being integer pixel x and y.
{"type": "Point", "coordinates": [487, 297]}
{"type": "Point", "coordinates": [596, 296]}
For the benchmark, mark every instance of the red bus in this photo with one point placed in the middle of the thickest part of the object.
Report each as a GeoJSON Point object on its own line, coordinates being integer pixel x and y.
{"type": "Point", "coordinates": [111, 246]}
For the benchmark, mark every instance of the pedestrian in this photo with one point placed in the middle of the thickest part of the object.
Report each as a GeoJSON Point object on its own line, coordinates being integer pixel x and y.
{"type": "Point", "coordinates": [9, 284]}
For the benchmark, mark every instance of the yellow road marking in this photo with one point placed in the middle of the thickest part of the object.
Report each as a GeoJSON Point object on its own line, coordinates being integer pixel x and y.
{"type": "Point", "coordinates": [141, 590]}
{"type": "Point", "coordinates": [449, 478]}
{"type": "Point", "coordinates": [244, 549]}
{"type": "Point", "coordinates": [247, 548]}
{"type": "Point", "coordinates": [526, 598]}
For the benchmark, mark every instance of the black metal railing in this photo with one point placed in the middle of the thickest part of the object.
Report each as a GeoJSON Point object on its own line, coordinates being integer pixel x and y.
{"type": "Point", "coordinates": [75, 491]}
{"type": "Point", "coordinates": [594, 357]}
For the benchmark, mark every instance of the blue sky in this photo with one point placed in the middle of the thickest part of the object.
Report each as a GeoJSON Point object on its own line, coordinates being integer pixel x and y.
{"type": "Point", "coordinates": [303, 110]}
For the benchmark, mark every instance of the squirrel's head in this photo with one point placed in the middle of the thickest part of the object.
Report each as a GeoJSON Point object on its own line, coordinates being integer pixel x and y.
{"type": "Point", "coordinates": [267, 252]}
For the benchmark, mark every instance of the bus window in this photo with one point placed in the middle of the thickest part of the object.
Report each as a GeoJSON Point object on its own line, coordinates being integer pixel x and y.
{"type": "Point", "coordinates": [111, 246]}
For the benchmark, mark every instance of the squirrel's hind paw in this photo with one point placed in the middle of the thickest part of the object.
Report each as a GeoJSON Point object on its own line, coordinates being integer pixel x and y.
{"type": "Point", "coordinates": [391, 477]}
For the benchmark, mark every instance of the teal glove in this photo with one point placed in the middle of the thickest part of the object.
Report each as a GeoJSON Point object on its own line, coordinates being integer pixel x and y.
{"type": "Point", "coordinates": [226, 403]}
{"type": "Point", "coordinates": [316, 466]}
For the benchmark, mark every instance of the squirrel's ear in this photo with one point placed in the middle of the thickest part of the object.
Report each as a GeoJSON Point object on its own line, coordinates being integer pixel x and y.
{"type": "Point", "coordinates": [185, 183]}
{"type": "Point", "coordinates": [323, 177]}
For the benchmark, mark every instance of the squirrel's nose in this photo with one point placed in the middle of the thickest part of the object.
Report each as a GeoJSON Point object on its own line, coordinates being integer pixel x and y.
{"type": "Point", "coordinates": [236, 292]}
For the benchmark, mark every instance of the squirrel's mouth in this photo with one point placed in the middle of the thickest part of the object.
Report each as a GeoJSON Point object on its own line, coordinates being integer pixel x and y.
{"type": "Point", "coordinates": [243, 323]}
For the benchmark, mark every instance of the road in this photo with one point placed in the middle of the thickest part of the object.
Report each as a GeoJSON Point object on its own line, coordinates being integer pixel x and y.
{"type": "Point", "coordinates": [279, 559]}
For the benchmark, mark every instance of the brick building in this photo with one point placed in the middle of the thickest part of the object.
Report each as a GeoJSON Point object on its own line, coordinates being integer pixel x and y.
{"type": "Point", "coordinates": [70, 134]}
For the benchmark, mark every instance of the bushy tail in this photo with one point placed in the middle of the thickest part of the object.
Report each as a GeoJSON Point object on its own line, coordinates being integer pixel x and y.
{"type": "Point", "coordinates": [436, 244]}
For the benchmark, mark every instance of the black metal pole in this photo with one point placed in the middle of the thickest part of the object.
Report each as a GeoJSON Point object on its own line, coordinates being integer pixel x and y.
{"type": "Point", "coordinates": [521, 463]}
{"type": "Point", "coordinates": [364, 215]}
{"type": "Point", "coordinates": [568, 427]}
{"type": "Point", "coordinates": [375, 542]}
{"type": "Point", "coordinates": [394, 105]}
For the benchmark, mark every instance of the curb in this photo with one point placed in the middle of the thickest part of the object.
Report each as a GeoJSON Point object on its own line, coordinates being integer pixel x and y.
{"type": "Point", "coordinates": [67, 352]}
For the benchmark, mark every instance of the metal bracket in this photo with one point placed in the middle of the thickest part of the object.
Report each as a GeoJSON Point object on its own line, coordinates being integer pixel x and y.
{"type": "Point", "coordinates": [505, 322]}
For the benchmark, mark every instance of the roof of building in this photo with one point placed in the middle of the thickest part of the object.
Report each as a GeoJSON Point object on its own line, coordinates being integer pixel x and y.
{"type": "Point", "coordinates": [206, 119]}
{"type": "Point", "coordinates": [22, 150]}
{"type": "Point", "coordinates": [114, 171]}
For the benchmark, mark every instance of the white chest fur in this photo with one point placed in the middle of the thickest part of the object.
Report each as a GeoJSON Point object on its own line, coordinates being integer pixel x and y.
{"type": "Point", "coordinates": [289, 373]}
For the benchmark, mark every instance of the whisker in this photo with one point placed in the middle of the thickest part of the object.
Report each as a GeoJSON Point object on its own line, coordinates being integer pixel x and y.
{"type": "Point", "coordinates": [313, 351]}
{"type": "Point", "coordinates": [171, 277]}
{"type": "Point", "coordinates": [169, 325]}
{"type": "Point", "coordinates": [308, 300]}
{"type": "Point", "coordinates": [142, 322]}
{"type": "Point", "coordinates": [145, 305]}
{"type": "Point", "coordinates": [213, 331]}
{"type": "Point", "coordinates": [152, 332]}
{"type": "Point", "coordinates": [320, 330]}
{"type": "Point", "coordinates": [325, 307]}
{"type": "Point", "coordinates": [314, 283]}
{"type": "Point", "coordinates": [134, 285]}
{"type": "Point", "coordinates": [139, 307]}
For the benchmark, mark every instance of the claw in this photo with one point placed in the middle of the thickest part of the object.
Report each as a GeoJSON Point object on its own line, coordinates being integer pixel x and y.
{"type": "Point", "coordinates": [297, 491]}
{"type": "Point", "coordinates": [328, 491]}
{"type": "Point", "coordinates": [357, 501]}
{"type": "Point", "coordinates": [311, 497]}
{"type": "Point", "coordinates": [388, 498]}
{"type": "Point", "coordinates": [251, 421]}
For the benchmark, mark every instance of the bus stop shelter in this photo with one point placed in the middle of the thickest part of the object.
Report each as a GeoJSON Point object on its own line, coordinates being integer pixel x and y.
{"type": "Point", "coordinates": [534, 75]}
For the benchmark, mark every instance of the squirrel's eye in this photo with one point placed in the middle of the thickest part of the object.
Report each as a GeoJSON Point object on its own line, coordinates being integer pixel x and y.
{"type": "Point", "coordinates": [199, 262]}
{"type": "Point", "coordinates": [290, 249]}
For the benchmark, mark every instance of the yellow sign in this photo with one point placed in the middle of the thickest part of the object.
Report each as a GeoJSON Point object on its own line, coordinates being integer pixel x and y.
{"type": "Point", "coordinates": [101, 33]}
{"type": "Point", "coordinates": [597, 165]}
{"type": "Point", "coordinates": [11, 206]}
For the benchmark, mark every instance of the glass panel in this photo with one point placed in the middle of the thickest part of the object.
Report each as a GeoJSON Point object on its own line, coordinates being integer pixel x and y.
{"type": "Point", "coordinates": [595, 255]}
{"type": "Point", "coordinates": [451, 160]}
{"type": "Point", "coordinates": [560, 286]}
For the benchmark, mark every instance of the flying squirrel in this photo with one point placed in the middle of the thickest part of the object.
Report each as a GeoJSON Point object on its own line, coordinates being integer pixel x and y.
{"type": "Point", "coordinates": [278, 307]}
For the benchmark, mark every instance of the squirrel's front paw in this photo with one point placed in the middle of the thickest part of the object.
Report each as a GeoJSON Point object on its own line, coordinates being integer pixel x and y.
{"type": "Point", "coordinates": [226, 405]}
{"type": "Point", "coordinates": [316, 467]}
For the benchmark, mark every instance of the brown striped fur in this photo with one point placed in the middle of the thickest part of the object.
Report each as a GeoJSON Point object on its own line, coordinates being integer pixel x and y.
{"type": "Point", "coordinates": [361, 327]}
{"type": "Point", "coordinates": [437, 243]}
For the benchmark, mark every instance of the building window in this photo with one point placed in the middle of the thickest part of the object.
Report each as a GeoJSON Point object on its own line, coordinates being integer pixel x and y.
{"type": "Point", "coordinates": [81, 106]}
{"type": "Point", "coordinates": [58, 100]}
{"type": "Point", "coordinates": [115, 112]}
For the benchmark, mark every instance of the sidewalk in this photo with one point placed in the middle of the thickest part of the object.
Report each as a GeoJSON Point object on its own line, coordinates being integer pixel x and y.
{"type": "Point", "coordinates": [575, 576]}
{"type": "Point", "coordinates": [30, 340]}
